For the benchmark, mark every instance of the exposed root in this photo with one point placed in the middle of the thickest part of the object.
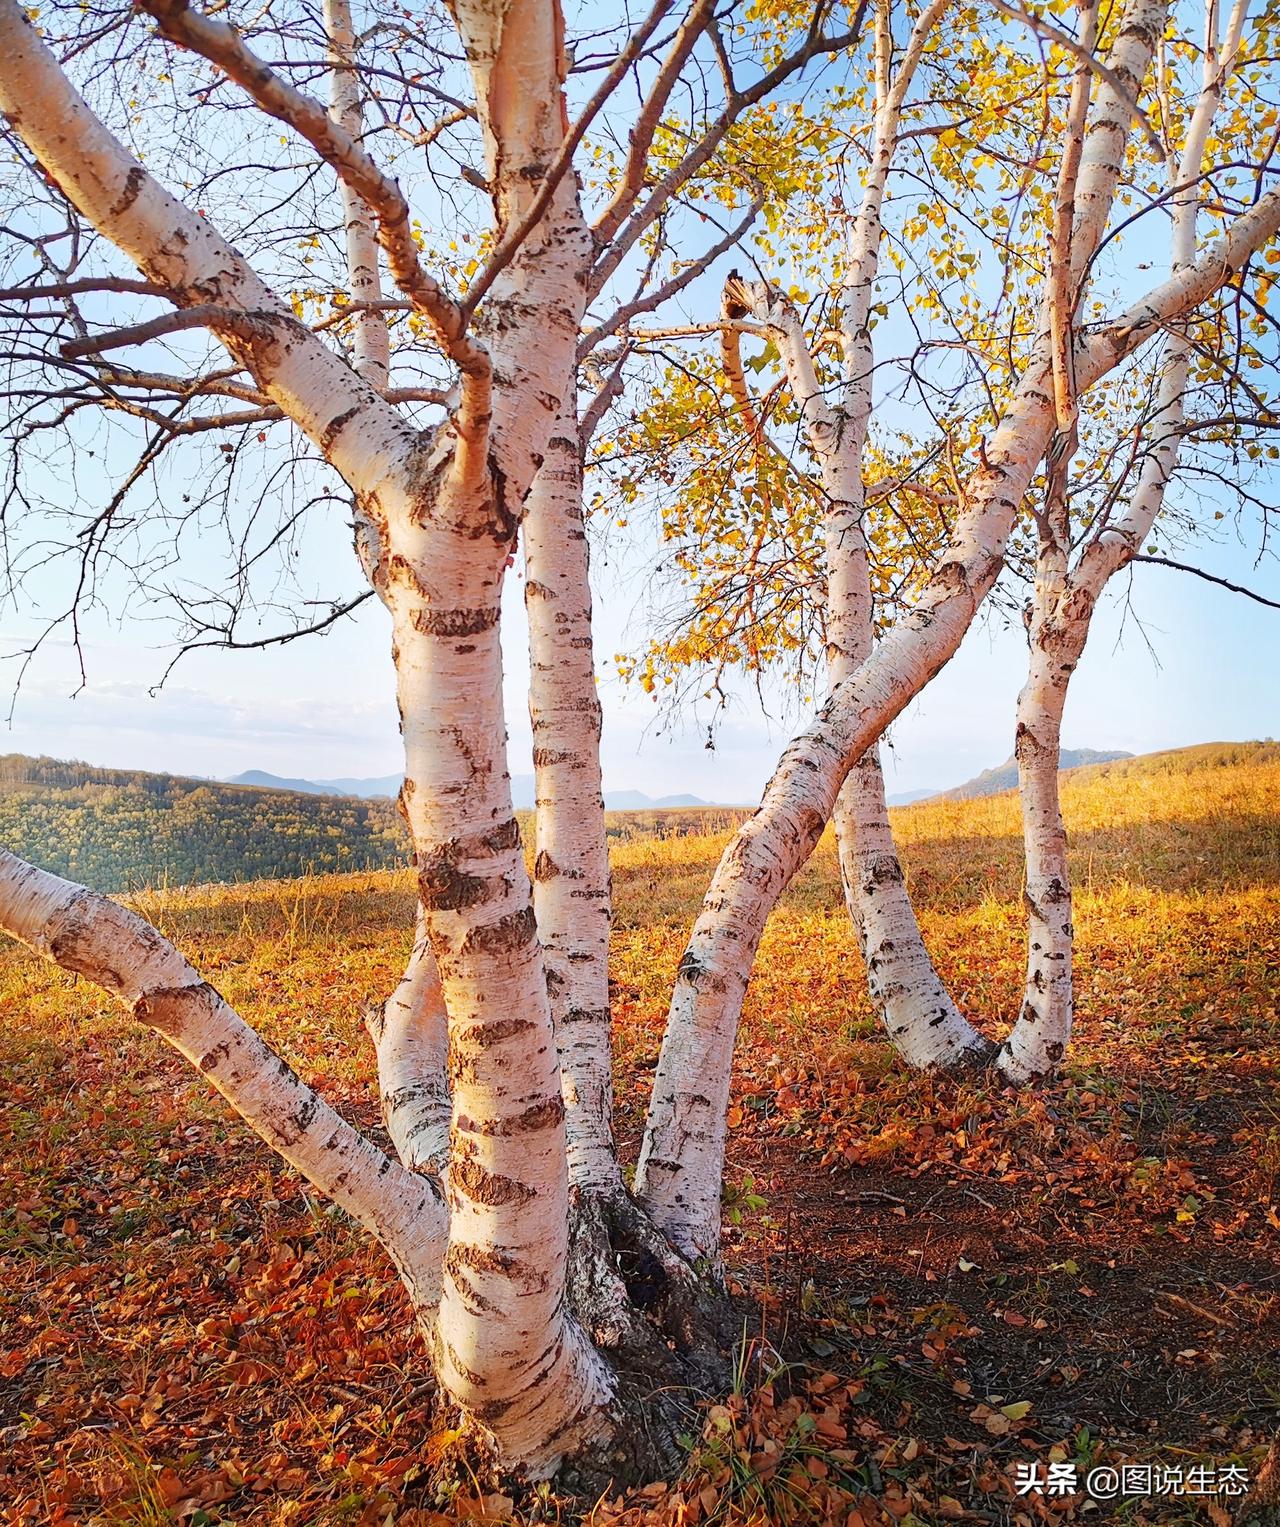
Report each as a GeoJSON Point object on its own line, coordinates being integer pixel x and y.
{"type": "Point", "coordinates": [667, 1332]}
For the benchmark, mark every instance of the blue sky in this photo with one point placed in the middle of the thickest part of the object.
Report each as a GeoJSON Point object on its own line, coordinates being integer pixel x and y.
{"type": "Point", "coordinates": [1204, 670]}
{"type": "Point", "coordinates": [325, 707]}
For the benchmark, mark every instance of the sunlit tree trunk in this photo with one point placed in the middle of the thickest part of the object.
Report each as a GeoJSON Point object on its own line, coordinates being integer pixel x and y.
{"type": "Point", "coordinates": [913, 1002]}
{"type": "Point", "coordinates": [1061, 613]}
{"type": "Point", "coordinates": [571, 864]}
{"type": "Point", "coordinates": [905, 989]}
{"type": "Point", "coordinates": [682, 1152]}
{"type": "Point", "coordinates": [409, 1030]}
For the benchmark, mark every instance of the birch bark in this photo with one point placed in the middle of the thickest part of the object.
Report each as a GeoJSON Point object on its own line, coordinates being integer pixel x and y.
{"type": "Point", "coordinates": [411, 1041]}
{"type": "Point", "coordinates": [371, 347]}
{"type": "Point", "coordinates": [1062, 611]}
{"type": "Point", "coordinates": [912, 1001]}
{"type": "Point", "coordinates": [682, 1153]}
{"type": "Point", "coordinates": [440, 514]}
{"type": "Point", "coordinates": [571, 865]}
{"type": "Point", "coordinates": [410, 1030]}
{"type": "Point", "coordinates": [905, 990]}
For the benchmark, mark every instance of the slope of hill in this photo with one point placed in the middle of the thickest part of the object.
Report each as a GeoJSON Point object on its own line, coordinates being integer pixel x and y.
{"type": "Point", "coordinates": [118, 829]}
{"type": "Point", "coordinates": [114, 829]}
{"type": "Point", "coordinates": [128, 1188]}
{"type": "Point", "coordinates": [1005, 776]}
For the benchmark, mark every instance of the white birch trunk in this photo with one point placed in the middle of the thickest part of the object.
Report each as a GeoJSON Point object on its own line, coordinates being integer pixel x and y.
{"type": "Point", "coordinates": [371, 340]}
{"type": "Point", "coordinates": [440, 517]}
{"type": "Point", "coordinates": [905, 990]}
{"type": "Point", "coordinates": [1039, 1038]}
{"type": "Point", "coordinates": [919, 1015]}
{"type": "Point", "coordinates": [410, 1030]}
{"type": "Point", "coordinates": [571, 894]}
{"type": "Point", "coordinates": [507, 1347]}
{"type": "Point", "coordinates": [115, 949]}
{"type": "Point", "coordinates": [682, 1153]}
{"type": "Point", "coordinates": [913, 1003]}
{"type": "Point", "coordinates": [411, 1040]}
{"type": "Point", "coordinates": [1062, 612]}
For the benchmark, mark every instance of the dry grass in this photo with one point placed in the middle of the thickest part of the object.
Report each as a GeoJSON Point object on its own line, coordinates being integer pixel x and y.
{"type": "Point", "coordinates": [175, 1311]}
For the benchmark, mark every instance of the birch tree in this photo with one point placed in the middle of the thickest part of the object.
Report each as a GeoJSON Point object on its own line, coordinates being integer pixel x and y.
{"type": "Point", "coordinates": [914, 1004]}
{"type": "Point", "coordinates": [491, 1130]}
{"type": "Point", "coordinates": [1070, 580]}
{"type": "Point", "coordinates": [515, 1240]}
{"type": "Point", "coordinates": [836, 466]}
{"type": "Point", "coordinates": [683, 1149]}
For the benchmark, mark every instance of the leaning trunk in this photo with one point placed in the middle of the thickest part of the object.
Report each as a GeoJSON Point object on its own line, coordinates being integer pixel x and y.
{"type": "Point", "coordinates": [925, 1025]}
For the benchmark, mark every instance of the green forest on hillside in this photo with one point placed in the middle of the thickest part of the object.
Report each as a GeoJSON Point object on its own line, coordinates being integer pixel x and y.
{"type": "Point", "coordinates": [122, 830]}
{"type": "Point", "coordinates": [117, 829]}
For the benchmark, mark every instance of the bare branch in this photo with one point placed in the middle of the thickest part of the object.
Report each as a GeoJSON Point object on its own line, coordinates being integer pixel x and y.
{"type": "Point", "coordinates": [203, 316]}
{"type": "Point", "coordinates": [224, 46]}
{"type": "Point", "coordinates": [623, 315]}
{"type": "Point", "coordinates": [1199, 572]}
{"type": "Point", "coordinates": [646, 124]}
{"type": "Point", "coordinates": [117, 284]}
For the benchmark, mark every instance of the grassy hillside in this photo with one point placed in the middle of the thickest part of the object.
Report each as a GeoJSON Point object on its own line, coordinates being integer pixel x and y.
{"type": "Point", "coordinates": [121, 830]}
{"type": "Point", "coordinates": [118, 829]}
{"type": "Point", "coordinates": [181, 1322]}
{"type": "Point", "coordinates": [1005, 775]}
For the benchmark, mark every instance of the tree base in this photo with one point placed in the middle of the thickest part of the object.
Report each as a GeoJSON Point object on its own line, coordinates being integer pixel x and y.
{"type": "Point", "coordinates": [667, 1332]}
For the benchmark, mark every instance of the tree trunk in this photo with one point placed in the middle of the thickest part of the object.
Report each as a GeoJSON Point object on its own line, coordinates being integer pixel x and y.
{"type": "Point", "coordinates": [914, 1005]}
{"type": "Point", "coordinates": [411, 1040]}
{"type": "Point", "coordinates": [1039, 1038]}
{"type": "Point", "coordinates": [682, 1153]}
{"type": "Point", "coordinates": [1065, 600]}
{"type": "Point", "coordinates": [919, 1015]}
{"type": "Point", "coordinates": [571, 895]}
{"type": "Point", "coordinates": [906, 991]}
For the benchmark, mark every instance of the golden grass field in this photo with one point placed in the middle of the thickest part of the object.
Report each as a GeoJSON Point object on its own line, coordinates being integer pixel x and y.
{"type": "Point", "coordinates": [185, 1335]}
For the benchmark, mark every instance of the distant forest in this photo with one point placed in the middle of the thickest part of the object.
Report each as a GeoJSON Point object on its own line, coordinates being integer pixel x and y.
{"type": "Point", "coordinates": [121, 830]}
{"type": "Point", "coordinates": [118, 830]}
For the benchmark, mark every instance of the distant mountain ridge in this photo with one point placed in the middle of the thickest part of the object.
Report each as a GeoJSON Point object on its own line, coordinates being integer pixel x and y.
{"type": "Point", "coordinates": [1005, 777]}
{"type": "Point", "coordinates": [388, 786]}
